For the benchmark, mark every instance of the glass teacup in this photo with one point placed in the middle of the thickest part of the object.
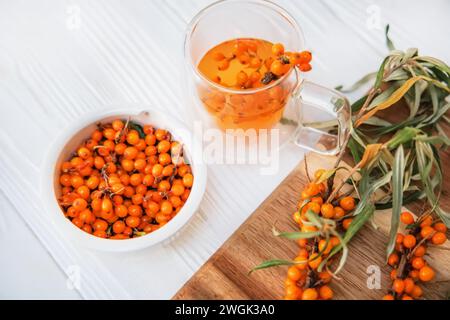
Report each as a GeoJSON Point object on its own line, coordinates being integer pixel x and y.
{"type": "Point", "coordinates": [288, 104]}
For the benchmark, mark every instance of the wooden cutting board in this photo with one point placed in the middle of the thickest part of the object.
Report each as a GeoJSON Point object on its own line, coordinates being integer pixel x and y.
{"type": "Point", "coordinates": [225, 274]}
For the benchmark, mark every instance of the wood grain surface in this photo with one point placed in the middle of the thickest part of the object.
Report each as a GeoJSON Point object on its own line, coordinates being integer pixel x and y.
{"type": "Point", "coordinates": [225, 274]}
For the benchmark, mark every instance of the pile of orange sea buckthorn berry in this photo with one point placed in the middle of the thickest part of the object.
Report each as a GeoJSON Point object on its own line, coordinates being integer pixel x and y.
{"type": "Point", "coordinates": [304, 281]}
{"type": "Point", "coordinates": [412, 247]}
{"type": "Point", "coordinates": [263, 71]}
{"type": "Point", "coordinates": [125, 181]}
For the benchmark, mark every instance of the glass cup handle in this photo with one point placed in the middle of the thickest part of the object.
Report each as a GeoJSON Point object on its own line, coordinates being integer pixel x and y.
{"type": "Point", "coordinates": [329, 109]}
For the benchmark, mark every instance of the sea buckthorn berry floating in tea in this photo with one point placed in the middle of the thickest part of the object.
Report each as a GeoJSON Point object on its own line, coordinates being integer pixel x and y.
{"type": "Point", "coordinates": [243, 65]}
{"type": "Point", "coordinates": [226, 61]}
{"type": "Point", "coordinates": [125, 181]}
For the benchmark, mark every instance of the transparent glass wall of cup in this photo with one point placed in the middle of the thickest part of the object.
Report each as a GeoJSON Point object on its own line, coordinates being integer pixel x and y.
{"type": "Point", "coordinates": [286, 104]}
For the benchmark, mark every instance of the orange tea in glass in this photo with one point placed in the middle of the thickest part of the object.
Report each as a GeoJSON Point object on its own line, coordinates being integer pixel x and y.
{"type": "Point", "coordinates": [229, 51]}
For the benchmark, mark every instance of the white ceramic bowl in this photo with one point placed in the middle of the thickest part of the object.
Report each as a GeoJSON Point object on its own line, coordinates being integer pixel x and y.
{"type": "Point", "coordinates": [74, 135]}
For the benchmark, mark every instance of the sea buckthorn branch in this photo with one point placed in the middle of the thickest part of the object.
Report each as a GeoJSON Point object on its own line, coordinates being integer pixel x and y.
{"type": "Point", "coordinates": [408, 259]}
{"type": "Point", "coordinates": [404, 79]}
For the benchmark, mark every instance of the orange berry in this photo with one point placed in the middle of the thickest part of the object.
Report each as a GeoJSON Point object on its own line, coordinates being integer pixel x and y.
{"type": "Point", "coordinates": [427, 232]}
{"type": "Point", "coordinates": [166, 207]}
{"type": "Point", "coordinates": [409, 285]}
{"type": "Point", "coordinates": [305, 67]}
{"type": "Point", "coordinates": [318, 200]}
{"type": "Point", "coordinates": [334, 241]}
{"type": "Point", "coordinates": [117, 124]}
{"type": "Point", "coordinates": [277, 49]}
{"type": "Point", "coordinates": [109, 134]}
{"type": "Point", "coordinates": [409, 241]}
{"type": "Point", "coordinates": [416, 292]}
{"type": "Point", "coordinates": [398, 286]}
{"type": "Point", "coordinates": [406, 297]}
{"type": "Point", "coordinates": [393, 274]}
{"type": "Point", "coordinates": [277, 68]}
{"type": "Point", "coordinates": [440, 227]}
{"type": "Point", "coordinates": [293, 292]}
{"type": "Point", "coordinates": [420, 251]}
{"type": "Point", "coordinates": [302, 242]}
{"type": "Point", "coordinates": [427, 221]}
{"type": "Point", "coordinates": [76, 181]}
{"type": "Point", "coordinates": [97, 135]}
{"type": "Point", "coordinates": [347, 203]}
{"type": "Point", "coordinates": [399, 239]}
{"type": "Point", "coordinates": [84, 153]}
{"type": "Point", "coordinates": [163, 146]}
{"type": "Point", "coordinates": [327, 211]}
{"type": "Point", "coordinates": [439, 238]}
{"type": "Point", "coordinates": [133, 222]}
{"type": "Point", "coordinates": [241, 78]}
{"type": "Point", "coordinates": [79, 204]}
{"type": "Point", "coordinates": [315, 207]}
{"type": "Point", "coordinates": [325, 293]}
{"type": "Point", "coordinates": [314, 260]}
{"type": "Point", "coordinates": [100, 225]}
{"type": "Point", "coordinates": [302, 263]}
{"type": "Point", "coordinates": [294, 273]}
{"type": "Point", "coordinates": [157, 170]}
{"type": "Point", "coordinates": [426, 274]}
{"type": "Point", "coordinates": [218, 56]}
{"type": "Point", "coordinates": [312, 189]}
{"type": "Point", "coordinates": [65, 180]}
{"type": "Point", "coordinates": [188, 180]}
{"type": "Point", "coordinates": [133, 137]}
{"type": "Point", "coordinates": [338, 212]}
{"type": "Point", "coordinates": [346, 223]}
{"type": "Point", "coordinates": [325, 247]}
{"type": "Point", "coordinates": [255, 62]}
{"type": "Point", "coordinates": [119, 227]}
{"type": "Point", "coordinates": [325, 276]}
{"type": "Point", "coordinates": [407, 218]}
{"type": "Point", "coordinates": [393, 259]}
{"type": "Point", "coordinates": [223, 65]}
{"type": "Point", "coordinates": [305, 57]}
{"type": "Point", "coordinates": [388, 297]}
{"type": "Point", "coordinates": [418, 262]}
{"type": "Point", "coordinates": [310, 294]}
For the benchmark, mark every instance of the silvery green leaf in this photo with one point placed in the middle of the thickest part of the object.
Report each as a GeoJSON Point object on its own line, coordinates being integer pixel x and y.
{"type": "Point", "coordinates": [419, 88]}
{"type": "Point", "coordinates": [436, 62]}
{"type": "Point", "coordinates": [378, 122]}
{"type": "Point", "coordinates": [409, 53]}
{"type": "Point", "coordinates": [389, 42]}
{"type": "Point", "coordinates": [397, 196]}
{"type": "Point", "coordinates": [398, 74]}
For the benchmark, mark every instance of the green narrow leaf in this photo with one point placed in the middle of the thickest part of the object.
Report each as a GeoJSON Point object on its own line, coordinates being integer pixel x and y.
{"type": "Point", "coordinates": [357, 105]}
{"type": "Point", "coordinates": [272, 263]}
{"type": "Point", "coordinates": [295, 235]}
{"type": "Point", "coordinates": [441, 65]}
{"type": "Point", "coordinates": [380, 74]}
{"type": "Point", "coordinates": [356, 150]}
{"type": "Point", "coordinates": [371, 187]}
{"type": "Point", "coordinates": [389, 42]}
{"type": "Point", "coordinates": [397, 196]}
{"type": "Point", "coordinates": [355, 226]}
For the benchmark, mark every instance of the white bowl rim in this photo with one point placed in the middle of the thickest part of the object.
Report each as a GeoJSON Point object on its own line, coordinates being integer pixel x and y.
{"type": "Point", "coordinates": [170, 229]}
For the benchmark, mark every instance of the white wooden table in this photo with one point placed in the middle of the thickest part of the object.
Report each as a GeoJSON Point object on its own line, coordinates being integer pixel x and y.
{"type": "Point", "coordinates": [60, 59]}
